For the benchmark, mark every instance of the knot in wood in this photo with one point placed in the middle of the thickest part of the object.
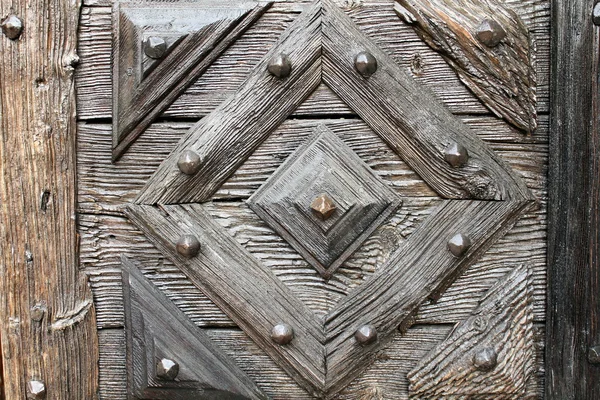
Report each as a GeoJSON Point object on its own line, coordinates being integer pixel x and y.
{"type": "Point", "coordinates": [323, 206]}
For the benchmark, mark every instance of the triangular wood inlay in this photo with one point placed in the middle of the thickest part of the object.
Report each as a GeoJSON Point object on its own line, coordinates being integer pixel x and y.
{"type": "Point", "coordinates": [195, 34]}
{"type": "Point", "coordinates": [488, 355]}
{"type": "Point", "coordinates": [157, 329]}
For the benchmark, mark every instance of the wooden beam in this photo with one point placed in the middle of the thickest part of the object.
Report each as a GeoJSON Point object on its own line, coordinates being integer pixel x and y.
{"type": "Point", "coordinates": [573, 319]}
{"type": "Point", "coordinates": [47, 316]}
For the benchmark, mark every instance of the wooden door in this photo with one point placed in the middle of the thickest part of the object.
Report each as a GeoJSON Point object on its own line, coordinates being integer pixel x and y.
{"type": "Point", "coordinates": [294, 200]}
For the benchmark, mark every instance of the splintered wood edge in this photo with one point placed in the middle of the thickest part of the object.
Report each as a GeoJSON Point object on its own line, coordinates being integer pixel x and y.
{"type": "Point", "coordinates": [381, 303]}
{"type": "Point", "coordinates": [450, 29]}
{"type": "Point", "coordinates": [410, 119]}
{"type": "Point", "coordinates": [246, 113]}
{"type": "Point", "coordinates": [434, 375]}
{"type": "Point", "coordinates": [155, 94]}
{"type": "Point", "coordinates": [203, 355]}
{"type": "Point", "coordinates": [250, 294]}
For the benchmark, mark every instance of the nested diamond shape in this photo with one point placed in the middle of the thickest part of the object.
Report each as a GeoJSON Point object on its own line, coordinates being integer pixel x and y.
{"type": "Point", "coordinates": [324, 169]}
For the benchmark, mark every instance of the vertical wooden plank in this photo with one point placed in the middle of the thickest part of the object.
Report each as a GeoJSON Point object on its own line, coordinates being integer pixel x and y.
{"type": "Point", "coordinates": [47, 319]}
{"type": "Point", "coordinates": [574, 212]}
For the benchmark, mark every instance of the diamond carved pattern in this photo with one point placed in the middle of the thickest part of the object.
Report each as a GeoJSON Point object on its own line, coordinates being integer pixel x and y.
{"type": "Point", "coordinates": [324, 167]}
{"type": "Point", "coordinates": [485, 198]}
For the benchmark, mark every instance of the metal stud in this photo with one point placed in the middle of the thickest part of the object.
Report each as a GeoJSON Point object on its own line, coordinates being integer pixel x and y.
{"type": "Point", "coordinates": [36, 390]}
{"type": "Point", "coordinates": [282, 334]}
{"type": "Point", "coordinates": [167, 369]}
{"type": "Point", "coordinates": [456, 155]}
{"type": "Point", "coordinates": [37, 312]}
{"type": "Point", "coordinates": [596, 14]}
{"type": "Point", "coordinates": [188, 246]}
{"type": "Point", "coordinates": [189, 162]}
{"type": "Point", "coordinates": [485, 359]}
{"type": "Point", "coordinates": [490, 33]}
{"type": "Point", "coordinates": [365, 335]}
{"type": "Point", "coordinates": [155, 47]}
{"type": "Point", "coordinates": [459, 244]}
{"type": "Point", "coordinates": [365, 63]}
{"type": "Point", "coordinates": [280, 66]}
{"type": "Point", "coordinates": [594, 355]}
{"type": "Point", "coordinates": [12, 26]}
{"type": "Point", "coordinates": [323, 206]}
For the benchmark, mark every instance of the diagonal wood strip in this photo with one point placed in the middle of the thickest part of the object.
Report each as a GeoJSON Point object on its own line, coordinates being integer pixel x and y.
{"type": "Point", "coordinates": [423, 267]}
{"type": "Point", "coordinates": [152, 316]}
{"type": "Point", "coordinates": [502, 77]}
{"type": "Point", "coordinates": [253, 297]}
{"type": "Point", "coordinates": [410, 119]}
{"type": "Point", "coordinates": [180, 68]}
{"type": "Point", "coordinates": [503, 321]}
{"type": "Point", "coordinates": [232, 132]}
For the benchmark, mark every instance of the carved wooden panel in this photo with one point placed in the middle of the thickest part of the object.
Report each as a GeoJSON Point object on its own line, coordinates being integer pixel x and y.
{"type": "Point", "coordinates": [221, 208]}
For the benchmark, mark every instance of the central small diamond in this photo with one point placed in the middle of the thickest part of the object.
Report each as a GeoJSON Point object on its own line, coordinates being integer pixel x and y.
{"type": "Point", "coordinates": [325, 201]}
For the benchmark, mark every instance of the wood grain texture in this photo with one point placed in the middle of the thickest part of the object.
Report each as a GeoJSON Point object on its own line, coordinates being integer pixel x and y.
{"type": "Point", "coordinates": [138, 102]}
{"type": "Point", "coordinates": [156, 328]}
{"type": "Point", "coordinates": [502, 77]}
{"type": "Point", "coordinates": [324, 164]}
{"type": "Point", "coordinates": [38, 233]}
{"type": "Point", "coordinates": [503, 324]}
{"type": "Point", "coordinates": [257, 108]}
{"type": "Point", "coordinates": [421, 268]}
{"type": "Point", "coordinates": [240, 286]}
{"type": "Point", "coordinates": [410, 119]}
{"type": "Point", "coordinates": [574, 213]}
{"type": "Point", "coordinates": [378, 21]}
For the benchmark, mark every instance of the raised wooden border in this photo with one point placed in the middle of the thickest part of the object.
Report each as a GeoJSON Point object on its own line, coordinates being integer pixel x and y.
{"type": "Point", "coordinates": [47, 314]}
{"type": "Point", "coordinates": [573, 317]}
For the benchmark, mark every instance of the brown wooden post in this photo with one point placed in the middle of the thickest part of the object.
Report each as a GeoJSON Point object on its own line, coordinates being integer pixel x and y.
{"type": "Point", "coordinates": [574, 212]}
{"type": "Point", "coordinates": [47, 318]}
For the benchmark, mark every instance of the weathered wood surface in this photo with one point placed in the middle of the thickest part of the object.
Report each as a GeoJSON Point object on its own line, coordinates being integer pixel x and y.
{"type": "Point", "coordinates": [239, 285]}
{"type": "Point", "coordinates": [421, 268]}
{"type": "Point", "coordinates": [156, 328]}
{"type": "Point", "coordinates": [501, 75]}
{"type": "Point", "coordinates": [410, 119]}
{"type": "Point", "coordinates": [137, 104]}
{"type": "Point", "coordinates": [55, 342]}
{"type": "Point", "coordinates": [385, 380]}
{"type": "Point", "coordinates": [324, 164]}
{"type": "Point", "coordinates": [501, 326]}
{"type": "Point", "coordinates": [105, 187]}
{"type": "Point", "coordinates": [574, 208]}
{"type": "Point", "coordinates": [231, 133]}
{"type": "Point", "coordinates": [378, 21]}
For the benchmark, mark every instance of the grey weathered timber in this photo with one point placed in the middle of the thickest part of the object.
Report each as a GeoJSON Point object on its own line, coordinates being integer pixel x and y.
{"type": "Point", "coordinates": [490, 353]}
{"type": "Point", "coordinates": [574, 205]}
{"type": "Point", "coordinates": [246, 291]}
{"type": "Point", "coordinates": [197, 34]}
{"type": "Point", "coordinates": [378, 20]}
{"type": "Point", "coordinates": [261, 104]}
{"type": "Point", "coordinates": [410, 119]}
{"type": "Point", "coordinates": [421, 268]}
{"type": "Point", "coordinates": [406, 115]}
{"type": "Point", "coordinates": [155, 329]}
{"type": "Point", "coordinates": [324, 165]}
{"type": "Point", "coordinates": [47, 315]}
{"type": "Point", "coordinates": [500, 71]}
